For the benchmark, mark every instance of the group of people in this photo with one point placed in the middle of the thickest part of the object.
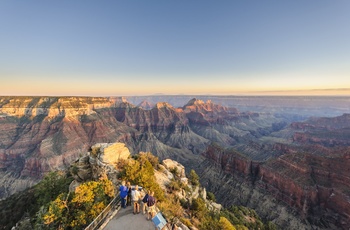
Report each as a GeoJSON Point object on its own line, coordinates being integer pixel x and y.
{"type": "Point", "coordinates": [135, 196]}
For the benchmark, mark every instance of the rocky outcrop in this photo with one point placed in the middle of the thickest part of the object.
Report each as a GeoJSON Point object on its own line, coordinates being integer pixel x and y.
{"type": "Point", "coordinates": [176, 166]}
{"type": "Point", "coordinates": [101, 160]}
{"type": "Point", "coordinates": [172, 171]}
{"type": "Point", "coordinates": [112, 153]}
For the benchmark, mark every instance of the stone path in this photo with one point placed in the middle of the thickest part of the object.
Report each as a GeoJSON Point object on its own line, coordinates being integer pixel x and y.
{"type": "Point", "coordinates": [125, 219]}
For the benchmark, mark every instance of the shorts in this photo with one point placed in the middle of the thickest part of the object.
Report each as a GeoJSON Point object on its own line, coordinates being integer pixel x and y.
{"type": "Point", "coordinates": [152, 209]}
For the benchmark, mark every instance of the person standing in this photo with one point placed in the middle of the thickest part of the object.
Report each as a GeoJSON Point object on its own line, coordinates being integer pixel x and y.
{"type": "Point", "coordinates": [136, 196]}
{"type": "Point", "coordinates": [123, 192]}
{"type": "Point", "coordinates": [151, 203]}
{"type": "Point", "coordinates": [128, 200]}
{"type": "Point", "coordinates": [144, 202]}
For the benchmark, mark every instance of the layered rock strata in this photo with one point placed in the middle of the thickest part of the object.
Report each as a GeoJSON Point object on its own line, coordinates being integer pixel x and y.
{"type": "Point", "coordinates": [315, 187]}
{"type": "Point", "coordinates": [300, 166]}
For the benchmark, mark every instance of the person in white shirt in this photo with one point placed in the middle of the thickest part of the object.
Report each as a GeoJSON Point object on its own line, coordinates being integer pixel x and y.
{"type": "Point", "coordinates": [136, 196]}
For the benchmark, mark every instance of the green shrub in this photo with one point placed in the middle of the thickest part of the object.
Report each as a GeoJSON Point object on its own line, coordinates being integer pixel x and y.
{"type": "Point", "coordinates": [53, 184]}
{"type": "Point", "coordinates": [184, 203]}
{"type": "Point", "coordinates": [211, 196]}
{"type": "Point", "coordinates": [186, 222]}
{"type": "Point", "coordinates": [171, 208]}
{"type": "Point", "coordinates": [225, 224]}
{"type": "Point", "coordinates": [95, 151]}
{"type": "Point", "coordinates": [174, 185]}
{"type": "Point", "coordinates": [77, 209]}
{"type": "Point", "coordinates": [198, 208]}
{"type": "Point", "coordinates": [174, 171]}
{"type": "Point", "coordinates": [193, 178]}
{"type": "Point", "coordinates": [141, 172]}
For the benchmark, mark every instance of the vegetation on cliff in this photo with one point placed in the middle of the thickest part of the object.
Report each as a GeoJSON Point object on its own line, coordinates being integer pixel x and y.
{"type": "Point", "coordinates": [182, 200]}
{"type": "Point", "coordinates": [24, 205]}
{"type": "Point", "coordinates": [76, 210]}
{"type": "Point", "coordinates": [140, 170]}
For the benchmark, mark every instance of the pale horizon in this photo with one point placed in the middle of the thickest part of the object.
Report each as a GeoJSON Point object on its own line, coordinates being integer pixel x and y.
{"type": "Point", "coordinates": [314, 92]}
{"type": "Point", "coordinates": [110, 48]}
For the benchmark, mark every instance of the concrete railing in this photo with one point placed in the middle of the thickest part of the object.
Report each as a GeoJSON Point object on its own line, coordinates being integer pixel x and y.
{"type": "Point", "coordinates": [96, 223]}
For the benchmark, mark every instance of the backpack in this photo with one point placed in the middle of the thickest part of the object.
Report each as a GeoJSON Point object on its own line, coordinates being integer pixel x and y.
{"type": "Point", "coordinates": [145, 198]}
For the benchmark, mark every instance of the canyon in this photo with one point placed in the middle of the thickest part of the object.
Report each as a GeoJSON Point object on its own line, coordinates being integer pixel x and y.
{"type": "Point", "coordinates": [292, 168]}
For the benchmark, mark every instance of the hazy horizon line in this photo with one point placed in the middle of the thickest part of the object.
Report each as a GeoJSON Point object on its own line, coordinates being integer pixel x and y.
{"type": "Point", "coordinates": [297, 92]}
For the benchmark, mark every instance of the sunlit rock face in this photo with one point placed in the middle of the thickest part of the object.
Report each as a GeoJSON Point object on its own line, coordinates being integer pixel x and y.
{"type": "Point", "coordinates": [112, 153]}
{"type": "Point", "coordinates": [40, 134]}
{"type": "Point", "coordinates": [171, 165]}
{"type": "Point", "coordinates": [102, 160]}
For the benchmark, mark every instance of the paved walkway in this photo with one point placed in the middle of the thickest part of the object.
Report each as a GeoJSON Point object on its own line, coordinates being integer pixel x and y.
{"type": "Point", "coordinates": [125, 219]}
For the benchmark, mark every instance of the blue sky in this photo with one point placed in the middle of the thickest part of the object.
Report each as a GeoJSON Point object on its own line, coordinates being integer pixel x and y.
{"type": "Point", "coordinates": [173, 47]}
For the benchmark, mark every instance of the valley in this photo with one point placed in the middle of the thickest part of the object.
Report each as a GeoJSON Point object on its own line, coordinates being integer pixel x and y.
{"type": "Point", "coordinates": [271, 154]}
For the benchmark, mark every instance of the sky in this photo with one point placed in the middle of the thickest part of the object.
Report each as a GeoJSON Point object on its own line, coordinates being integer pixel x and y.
{"type": "Point", "coordinates": [113, 48]}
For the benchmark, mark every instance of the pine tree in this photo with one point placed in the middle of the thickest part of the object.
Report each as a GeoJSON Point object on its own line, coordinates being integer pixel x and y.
{"type": "Point", "coordinates": [194, 178]}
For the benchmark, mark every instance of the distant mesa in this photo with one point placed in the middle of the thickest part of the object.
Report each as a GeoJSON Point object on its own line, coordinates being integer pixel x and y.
{"type": "Point", "coordinates": [197, 105]}
{"type": "Point", "coordinates": [194, 101]}
{"type": "Point", "coordinates": [160, 105]}
{"type": "Point", "coordinates": [118, 100]}
{"type": "Point", "coordinates": [146, 105]}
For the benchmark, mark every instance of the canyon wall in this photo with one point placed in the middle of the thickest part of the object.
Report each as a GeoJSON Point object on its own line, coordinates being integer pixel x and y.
{"type": "Point", "coordinates": [315, 188]}
{"type": "Point", "coordinates": [293, 173]}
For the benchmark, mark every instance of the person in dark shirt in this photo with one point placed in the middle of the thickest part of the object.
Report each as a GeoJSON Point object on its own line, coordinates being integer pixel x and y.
{"type": "Point", "coordinates": [128, 200]}
{"type": "Point", "coordinates": [151, 203]}
{"type": "Point", "coordinates": [123, 192]}
{"type": "Point", "coordinates": [144, 202]}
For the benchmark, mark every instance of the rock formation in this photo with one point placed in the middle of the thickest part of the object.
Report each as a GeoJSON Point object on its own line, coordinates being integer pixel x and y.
{"type": "Point", "coordinates": [316, 187]}
{"type": "Point", "coordinates": [166, 174]}
{"type": "Point", "coordinates": [145, 105]}
{"type": "Point", "coordinates": [101, 160]}
{"type": "Point", "coordinates": [302, 166]}
{"type": "Point", "coordinates": [111, 153]}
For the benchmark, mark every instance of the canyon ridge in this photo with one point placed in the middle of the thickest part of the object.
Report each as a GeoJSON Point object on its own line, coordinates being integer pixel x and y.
{"type": "Point", "coordinates": [285, 160]}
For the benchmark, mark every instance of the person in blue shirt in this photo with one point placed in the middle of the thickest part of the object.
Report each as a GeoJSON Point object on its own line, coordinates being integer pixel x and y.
{"type": "Point", "coordinates": [123, 194]}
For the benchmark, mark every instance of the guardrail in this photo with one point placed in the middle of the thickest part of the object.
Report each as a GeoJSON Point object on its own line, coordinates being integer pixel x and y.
{"type": "Point", "coordinates": [102, 216]}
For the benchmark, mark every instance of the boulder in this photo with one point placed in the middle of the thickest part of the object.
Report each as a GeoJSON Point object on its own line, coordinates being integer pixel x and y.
{"type": "Point", "coordinates": [112, 153]}
{"type": "Point", "coordinates": [170, 164]}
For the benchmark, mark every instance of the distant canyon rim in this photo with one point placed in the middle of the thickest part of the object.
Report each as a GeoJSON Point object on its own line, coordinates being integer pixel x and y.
{"type": "Point", "coordinates": [286, 157]}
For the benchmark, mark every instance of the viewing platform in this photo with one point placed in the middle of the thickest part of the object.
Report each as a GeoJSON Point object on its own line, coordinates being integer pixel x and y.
{"type": "Point", "coordinates": [125, 219]}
